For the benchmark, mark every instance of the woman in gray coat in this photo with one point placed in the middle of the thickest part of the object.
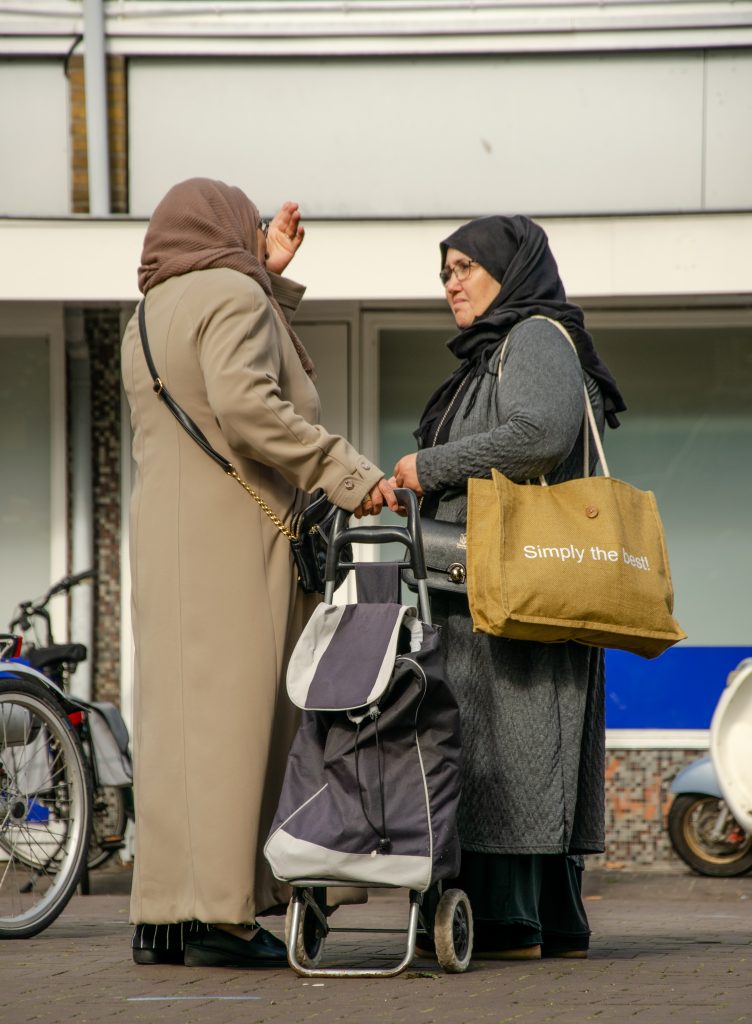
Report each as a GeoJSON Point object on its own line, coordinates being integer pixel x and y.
{"type": "Point", "coordinates": [532, 714]}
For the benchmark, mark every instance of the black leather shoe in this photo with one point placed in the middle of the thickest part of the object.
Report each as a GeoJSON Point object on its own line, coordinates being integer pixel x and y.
{"type": "Point", "coordinates": [157, 944]}
{"type": "Point", "coordinates": [218, 948]}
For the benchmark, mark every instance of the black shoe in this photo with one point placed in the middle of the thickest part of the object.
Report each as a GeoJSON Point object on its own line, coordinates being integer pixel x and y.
{"type": "Point", "coordinates": [218, 948]}
{"type": "Point", "coordinates": [157, 944]}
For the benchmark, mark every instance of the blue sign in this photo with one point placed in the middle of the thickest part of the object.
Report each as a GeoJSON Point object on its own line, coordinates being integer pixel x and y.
{"type": "Point", "coordinates": [678, 690]}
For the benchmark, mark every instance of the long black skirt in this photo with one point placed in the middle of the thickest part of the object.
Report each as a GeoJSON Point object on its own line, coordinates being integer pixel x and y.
{"type": "Point", "coordinates": [525, 900]}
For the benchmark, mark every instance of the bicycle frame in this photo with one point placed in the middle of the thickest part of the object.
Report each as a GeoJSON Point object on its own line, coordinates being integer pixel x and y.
{"type": "Point", "coordinates": [29, 610]}
{"type": "Point", "coordinates": [102, 732]}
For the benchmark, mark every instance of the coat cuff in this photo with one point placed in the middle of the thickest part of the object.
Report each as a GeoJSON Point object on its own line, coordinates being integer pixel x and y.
{"type": "Point", "coordinates": [288, 294]}
{"type": "Point", "coordinates": [425, 467]}
{"type": "Point", "coordinates": [351, 489]}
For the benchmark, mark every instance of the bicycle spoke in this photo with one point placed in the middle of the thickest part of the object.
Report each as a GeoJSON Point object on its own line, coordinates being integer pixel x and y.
{"type": "Point", "coordinates": [33, 842]}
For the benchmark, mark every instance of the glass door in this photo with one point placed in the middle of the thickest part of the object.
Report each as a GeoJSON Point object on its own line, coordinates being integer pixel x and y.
{"type": "Point", "coordinates": [32, 459]}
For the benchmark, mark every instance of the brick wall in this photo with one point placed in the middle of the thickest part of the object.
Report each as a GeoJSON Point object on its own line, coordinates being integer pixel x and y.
{"type": "Point", "coordinates": [117, 109]}
{"type": "Point", "coordinates": [102, 332]}
{"type": "Point", "coordinates": [117, 106]}
{"type": "Point", "coordinates": [637, 802]}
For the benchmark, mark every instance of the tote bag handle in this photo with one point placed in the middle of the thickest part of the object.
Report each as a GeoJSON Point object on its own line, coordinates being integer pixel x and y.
{"type": "Point", "coordinates": [591, 427]}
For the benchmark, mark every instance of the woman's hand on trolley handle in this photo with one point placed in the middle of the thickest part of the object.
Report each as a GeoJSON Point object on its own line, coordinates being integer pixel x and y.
{"type": "Point", "coordinates": [374, 501]}
{"type": "Point", "coordinates": [406, 475]}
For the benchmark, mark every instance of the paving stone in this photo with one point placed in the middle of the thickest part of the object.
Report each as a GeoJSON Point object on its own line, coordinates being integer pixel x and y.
{"type": "Point", "coordinates": [665, 948]}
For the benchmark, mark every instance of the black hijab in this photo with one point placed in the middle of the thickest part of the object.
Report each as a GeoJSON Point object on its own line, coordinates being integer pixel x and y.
{"type": "Point", "coordinates": [514, 251]}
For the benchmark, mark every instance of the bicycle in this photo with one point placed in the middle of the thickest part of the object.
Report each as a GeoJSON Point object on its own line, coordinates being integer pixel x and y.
{"type": "Point", "coordinates": [102, 731]}
{"type": "Point", "coordinates": [45, 797]}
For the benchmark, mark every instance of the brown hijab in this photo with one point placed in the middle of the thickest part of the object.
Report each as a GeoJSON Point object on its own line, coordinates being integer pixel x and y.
{"type": "Point", "coordinates": [202, 224]}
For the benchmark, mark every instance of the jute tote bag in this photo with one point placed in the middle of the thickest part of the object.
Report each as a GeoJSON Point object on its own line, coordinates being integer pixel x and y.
{"type": "Point", "coordinates": [581, 560]}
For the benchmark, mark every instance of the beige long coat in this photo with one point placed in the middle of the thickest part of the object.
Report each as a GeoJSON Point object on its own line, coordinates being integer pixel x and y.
{"type": "Point", "coordinates": [216, 606]}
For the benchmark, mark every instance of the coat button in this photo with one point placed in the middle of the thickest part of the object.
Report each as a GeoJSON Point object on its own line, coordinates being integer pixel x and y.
{"type": "Point", "coordinates": [349, 484]}
{"type": "Point", "coordinates": [364, 464]}
{"type": "Point", "coordinates": [591, 511]}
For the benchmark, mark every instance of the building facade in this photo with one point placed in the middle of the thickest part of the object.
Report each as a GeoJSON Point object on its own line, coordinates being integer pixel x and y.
{"type": "Point", "coordinates": [624, 128]}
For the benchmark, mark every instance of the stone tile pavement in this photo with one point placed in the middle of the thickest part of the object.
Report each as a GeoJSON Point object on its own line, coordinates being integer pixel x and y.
{"type": "Point", "coordinates": [667, 948]}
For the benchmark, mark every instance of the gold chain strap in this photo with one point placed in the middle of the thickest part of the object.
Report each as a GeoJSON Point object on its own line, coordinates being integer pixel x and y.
{"type": "Point", "coordinates": [263, 506]}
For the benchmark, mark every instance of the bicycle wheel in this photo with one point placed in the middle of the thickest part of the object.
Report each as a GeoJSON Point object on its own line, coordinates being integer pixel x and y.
{"type": "Point", "coordinates": [45, 807]}
{"type": "Point", "coordinates": [108, 825]}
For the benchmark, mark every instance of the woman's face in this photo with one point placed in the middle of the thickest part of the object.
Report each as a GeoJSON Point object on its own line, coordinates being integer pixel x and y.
{"type": "Point", "coordinates": [470, 297]}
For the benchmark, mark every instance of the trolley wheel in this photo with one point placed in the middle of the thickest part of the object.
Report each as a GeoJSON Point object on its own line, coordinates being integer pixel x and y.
{"type": "Point", "coordinates": [311, 937]}
{"type": "Point", "coordinates": [453, 931]}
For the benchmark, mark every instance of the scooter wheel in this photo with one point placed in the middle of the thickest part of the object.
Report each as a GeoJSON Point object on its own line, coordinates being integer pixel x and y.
{"type": "Point", "coordinates": [707, 837]}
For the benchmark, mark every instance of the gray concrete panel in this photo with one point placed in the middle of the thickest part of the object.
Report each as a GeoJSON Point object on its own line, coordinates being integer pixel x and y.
{"type": "Point", "coordinates": [34, 129]}
{"type": "Point", "coordinates": [568, 134]}
{"type": "Point", "coordinates": [728, 176]}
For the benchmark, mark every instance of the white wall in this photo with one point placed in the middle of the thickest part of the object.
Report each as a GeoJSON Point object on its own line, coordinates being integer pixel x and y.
{"type": "Point", "coordinates": [451, 136]}
{"type": "Point", "coordinates": [34, 139]}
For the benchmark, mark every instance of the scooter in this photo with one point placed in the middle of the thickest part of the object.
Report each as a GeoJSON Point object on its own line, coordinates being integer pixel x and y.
{"type": "Point", "coordinates": [710, 819]}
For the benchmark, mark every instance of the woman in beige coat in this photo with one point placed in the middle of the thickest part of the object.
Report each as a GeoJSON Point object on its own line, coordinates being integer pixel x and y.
{"type": "Point", "coordinates": [216, 605]}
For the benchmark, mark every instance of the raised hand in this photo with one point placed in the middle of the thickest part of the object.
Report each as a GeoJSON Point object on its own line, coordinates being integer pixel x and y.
{"type": "Point", "coordinates": [284, 238]}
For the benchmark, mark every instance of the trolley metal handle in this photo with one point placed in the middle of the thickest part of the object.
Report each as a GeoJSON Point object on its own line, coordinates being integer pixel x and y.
{"type": "Point", "coordinates": [411, 536]}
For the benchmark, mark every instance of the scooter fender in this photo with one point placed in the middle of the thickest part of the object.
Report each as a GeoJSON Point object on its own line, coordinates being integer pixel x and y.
{"type": "Point", "coordinates": [697, 777]}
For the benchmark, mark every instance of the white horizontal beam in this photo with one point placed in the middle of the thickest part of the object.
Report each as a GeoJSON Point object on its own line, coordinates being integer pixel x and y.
{"type": "Point", "coordinates": [85, 260]}
{"type": "Point", "coordinates": [238, 46]}
{"type": "Point", "coordinates": [431, 45]}
{"type": "Point", "coordinates": [657, 739]}
{"type": "Point", "coordinates": [325, 27]}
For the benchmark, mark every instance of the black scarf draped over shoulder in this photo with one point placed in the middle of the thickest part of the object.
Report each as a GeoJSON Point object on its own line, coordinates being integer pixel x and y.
{"type": "Point", "coordinates": [514, 251]}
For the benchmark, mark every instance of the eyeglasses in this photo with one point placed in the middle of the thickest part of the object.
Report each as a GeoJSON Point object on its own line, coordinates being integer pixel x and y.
{"type": "Point", "coordinates": [264, 225]}
{"type": "Point", "coordinates": [461, 271]}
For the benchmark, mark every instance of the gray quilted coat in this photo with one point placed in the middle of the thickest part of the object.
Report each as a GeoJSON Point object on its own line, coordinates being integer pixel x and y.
{"type": "Point", "coordinates": [532, 714]}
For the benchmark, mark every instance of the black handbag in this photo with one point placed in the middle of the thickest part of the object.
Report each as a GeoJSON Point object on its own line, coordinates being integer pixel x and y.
{"type": "Point", "coordinates": [310, 528]}
{"type": "Point", "coordinates": [445, 549]}
{"type": "Point", "coordinates": [309, 531]}
{"type": "Point", "coordinates": [444, 544]}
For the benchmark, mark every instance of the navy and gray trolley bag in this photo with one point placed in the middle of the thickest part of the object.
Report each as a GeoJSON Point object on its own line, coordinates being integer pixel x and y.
{"type": "Point", "coordinates": [370, 793]}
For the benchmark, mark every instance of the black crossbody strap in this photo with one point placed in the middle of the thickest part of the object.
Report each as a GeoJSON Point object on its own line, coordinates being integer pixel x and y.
{"type": "Point", "coordinates": [195, 431]}
{"type": "Point", "coordinates": [180, 414]}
